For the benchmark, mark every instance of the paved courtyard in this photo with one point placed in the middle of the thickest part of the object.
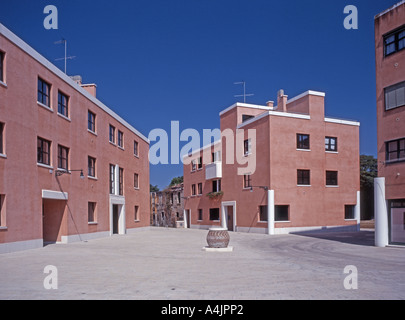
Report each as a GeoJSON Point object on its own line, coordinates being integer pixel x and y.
{"type": "Point", "coordinates": [169, 264]}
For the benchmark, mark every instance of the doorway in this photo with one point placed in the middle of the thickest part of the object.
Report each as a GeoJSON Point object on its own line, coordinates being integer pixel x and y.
{"type": "Point", "coordinates": [53, 220]}
{"type": "Point", "coordinates": [228, 216]}
{"type": "Point", "coordinates": [116, 219]}
{"type": "Point", "coordinates": [229, 211]}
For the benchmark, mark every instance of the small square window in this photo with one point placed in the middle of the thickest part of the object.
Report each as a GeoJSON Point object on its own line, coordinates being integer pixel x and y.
{"type": "Point", "coordinates": [350, 212]}
{"type": "Point", "coordinates": [281, 213]}
{"type": "Point", "coordinates": [263, 214]}
{"type": "Point", "coordinates": [304, 177]}
{"type": "Point", "coordinates": [247, 181]}
{"type": "Point", "coordinates": [303, 141]}
{"type": "Point", "coordinates": [331, 144]}
{"type": "Point", "coordinates": [331, 178]}
{"type": "Point", "coordinates": [214, 214]}
{"type": "Point", "coordinates": [43, 151]}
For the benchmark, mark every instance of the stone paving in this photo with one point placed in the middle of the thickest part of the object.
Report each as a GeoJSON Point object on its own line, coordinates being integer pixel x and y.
{"type": "Point", "coordinates": [169, 264]}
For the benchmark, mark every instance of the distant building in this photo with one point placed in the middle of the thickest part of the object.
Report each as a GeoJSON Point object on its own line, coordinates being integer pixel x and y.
{"type": "Point", "coordinates": [167, 207]}
{"type": "Point", "coordinates": [307, 174]}
{"type": "Point", "coordinates": [71, 169]}
{"type": "Point", "coordinates": [390, 72]}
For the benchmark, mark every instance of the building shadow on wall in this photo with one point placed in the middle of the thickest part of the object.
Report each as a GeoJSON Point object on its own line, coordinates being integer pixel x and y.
{"type": "Point", "coordinates": [361, 238]}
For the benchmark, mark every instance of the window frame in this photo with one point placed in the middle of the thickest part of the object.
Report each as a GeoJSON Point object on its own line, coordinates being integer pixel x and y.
{"type": "Point", "coordinates": [200, 189]}
{"type": "Point", "coordinates": [216, 185]}
{"type": "Point", "coordinates": [136, 181]}
{"type": "Point", "coordinates": [215, 211]}
{"type": "Point", "coordinates": [2, 59]}
{"type": "Point", "coordinates": [328, 144]}
{"type": "Point", "coordinates": [277, 213]}
{"type": "Point", "coordinates": [263, 210]}
{"type": "Point", "coordinates": [2, 135]}
{"type": "Point", "coordinates": [136, 214]}
{"type": "Point", "coordinates": [91, 212]}
{"type": "Point", "coordinates": [247, 181]}
{"type": "Point", "coordinates": [332, 181]}
{"type": "Point", "coordinates": [41, 94]}
{"type": "Point", "coordinates": [390, 89]}
{"type": "Point", "coordinates": [91, 121]}
{"type": "Point", "coordinates": [301, 143]}
{"type": "Point", "coordinates": [247, 147]}
{"type": "Point", "coordinates": [112, 179]}
{"type": "Point", "coordinates": [3, 222]}
{"type": "Point", "coordinates": [63, 159]}
{"type": "Point", "coordinates": [63, 109]}
{"type": "Point", "coordinates": [301, 179]}
{"type": "Point", "coordinates": [352, 213]}
{"type": "Point", "coordinates": [395, 33]}
{"type": "Point", "coordinates": [136, 148]}
{"type": "Point", "coordinates": [41, 144]}
{"type": "Point", "coordinates": [193, 190]}
{"type": "Point", "coordinates": [397, 151]}
{"type": "Point", "coordinates": [91, 167]}
{"type": "Point", "coordinates": [121, 181]}
{"type": "Point", "coordinates": [111, 134]}
{"type": "Point", "coordinates": [120, 139]}
{"type": "Point", "coordinates": [200, 214]}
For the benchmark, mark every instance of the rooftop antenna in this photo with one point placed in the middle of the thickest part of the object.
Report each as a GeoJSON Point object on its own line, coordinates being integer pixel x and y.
{"type": "Point", "coordinates": [64, 41]}
{"type": "Point", "coordinates": [244, 91]}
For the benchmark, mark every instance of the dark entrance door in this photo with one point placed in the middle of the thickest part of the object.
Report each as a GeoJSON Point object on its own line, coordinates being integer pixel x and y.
{"type": "Point", "coordinates": [116, 218]}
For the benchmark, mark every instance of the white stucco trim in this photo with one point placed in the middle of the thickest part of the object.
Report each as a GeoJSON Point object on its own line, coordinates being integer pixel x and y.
{"type": "Point", "coordinates": [54, 195]}
{"type": "Point", "coordinates": [20, 246]}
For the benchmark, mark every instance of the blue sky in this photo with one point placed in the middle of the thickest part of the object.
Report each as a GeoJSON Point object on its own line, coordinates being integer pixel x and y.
{"type": "Point", "coordinates": [157, 61]}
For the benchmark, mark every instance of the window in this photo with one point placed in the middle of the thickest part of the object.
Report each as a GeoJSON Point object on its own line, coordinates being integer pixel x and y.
{"type": "Point", "coordinates": [216, 186]}
{"type": "Point", "coordinates": [199, 163]}
{"type": "Point", "coordinates": [263, 214]}
{"type": "Point", "coordinates": [193, 191]}
{"type": "Point", "coordinates": [395, 96]}
{"type": "Point", "coordinates": [2, 66]}
{"type": "Point", "coordinates": [200, 214]}
{"type": "Point", "coordinates": [121, 182]}
{"type": "Point", "coordinates": [112, 179]}
{"type": "Point", "coordinates": [43, 151]}
{"type": "Point", "coordinates": [247, 181]}
{"type": "Point", "coordinates": [120, 139]}
{"type": "Point", "coordinates": [200, 188]}
{"type": "Point", "coordinates": [246, 117]}
{"type": "Point", "coordinates": [91, 167]}
{"type": "Point", "coordinates": [136, 149]}
{"type": "Point", "coordinates": [395, 150]}
{"type": "Point", "coordinates": [304, 178]}
{"type": "Point", "coordinates": [350, 212]}
{"type": "Point", "coordinates": [214, 214]}
{"type": "Point", "coordinates": [247, 147]}
{"type": "Point", "coordinates": [112, 134]}
{"type": "Point", "coordinates": [281, 213]}
{"type": "Point", "coordinates": [63, 161]}
{"type": "Point", "coordinates": [91, 122]}
{"type": "Point", "coordinates": [331, 144]}
{"type": "Point", "coordinates": [136, 213]}
{"type": "Point", "coordinates": [63, 104]}
{"type": "Point", "coordinates": [44, 92]}
{"type": "Point", "coordinates": [394, 42]}
{"type": "Point", "coordinates": [2, 211]}
{"type": "Point", "coordinates": [216, 156]}
{"type": "Point", "coordinates": [91, 212]}
{"type": "Point", "coordinates": [2, 138]}
{"type": "Point", "coordinates": [136, 181]}
{"type": "Point", "coordinates": [331, 178]}
{"type": "Point", "coordinates": [193, 165]}
{"type": "Point", "coordinates": [303, 141]}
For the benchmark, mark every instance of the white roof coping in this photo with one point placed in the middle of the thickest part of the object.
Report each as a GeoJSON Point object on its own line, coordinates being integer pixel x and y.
{"type": "Point", "coordinates": [389, 9]}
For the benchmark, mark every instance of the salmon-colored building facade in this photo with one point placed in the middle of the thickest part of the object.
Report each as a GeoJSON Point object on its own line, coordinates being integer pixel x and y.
{"type": "Point", "coordinates": [294, 170]}
{"type": "Point", "coordinates": [70, 168]}
{"type": "Point", "coordinates": [390, 73]}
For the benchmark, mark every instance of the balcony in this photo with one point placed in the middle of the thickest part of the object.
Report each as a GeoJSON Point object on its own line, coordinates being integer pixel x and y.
{"type": "Point", "coordinates": [213, 171]}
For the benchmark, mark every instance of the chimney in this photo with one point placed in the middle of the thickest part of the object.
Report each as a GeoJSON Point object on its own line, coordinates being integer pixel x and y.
{"type": "Point", "coordinates": [282, 101]}
{"type": "Point", "coordinates": [77, 79]}
{"type": "Point", "coordinates": [90, 88]}
{"type": "Point", "coordinates": [270, 104]}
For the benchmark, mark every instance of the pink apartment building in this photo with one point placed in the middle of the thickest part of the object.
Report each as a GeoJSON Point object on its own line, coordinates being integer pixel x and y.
{"type": "Point", "coordinates": [390, 73]}
{"type": "Point", "coordinates": [306, 175]}
{"type": "Point", "coordinates": [70, 168]}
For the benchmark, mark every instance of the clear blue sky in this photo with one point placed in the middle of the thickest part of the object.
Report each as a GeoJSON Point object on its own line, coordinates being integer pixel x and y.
{"type": "Point", "coordinates": [157, 61]}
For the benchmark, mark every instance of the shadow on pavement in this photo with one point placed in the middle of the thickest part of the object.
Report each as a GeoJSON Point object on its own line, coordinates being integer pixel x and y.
{"type": "Point", "coordinates": [361, 238]}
